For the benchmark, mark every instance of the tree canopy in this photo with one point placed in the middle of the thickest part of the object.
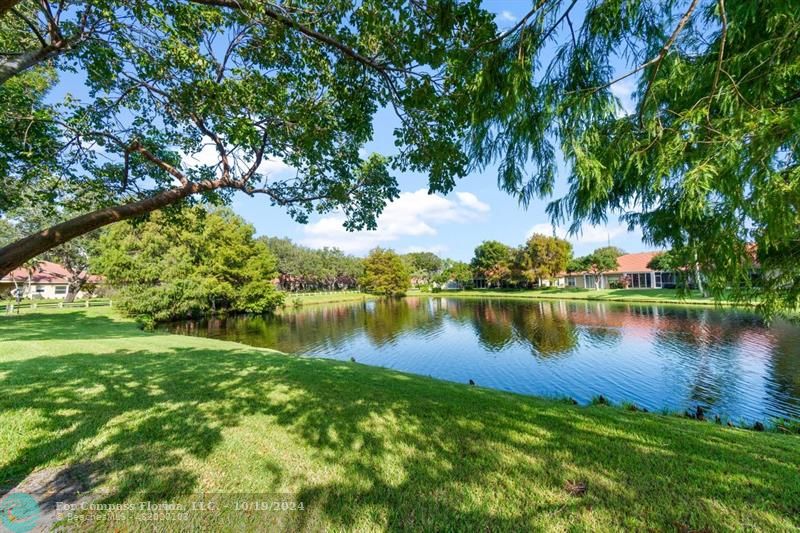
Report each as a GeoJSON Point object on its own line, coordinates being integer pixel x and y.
{"type": "Point", "coordinates": [210, 262]}
{"type": "Point", "coordinates": [249, 81]}
{"type": "Point", "coordinates": [544, 257]}
{"type": "Point", "coordinates": [493, 260]}
{"type": "Point", "coordinates": [666, 261]}
{"type": "Point", "coordinates": [457, 271]}
{"type": "Point", "coordinates": [305, 269]}
{"type": "Point", "coordinates": [385, 273]}
{"type": "Point", "coordinates": [424, 266]}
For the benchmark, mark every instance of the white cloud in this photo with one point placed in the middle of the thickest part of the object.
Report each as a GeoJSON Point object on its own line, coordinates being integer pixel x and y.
{"type": "Point", "coordinates": [587, 235]}
{"type": "Point", "coordinates": [508, 16]}
{"type": "Point", "coordinates": [413, 214]}
{"type": "Point", "coordinates": [274, 166]}
{"type": "Point", "coordinates": [208, 156]}
{"type": "Point", "coordinates": [623, 90]}
{"type": "Point", "coordinates": [471, 201]}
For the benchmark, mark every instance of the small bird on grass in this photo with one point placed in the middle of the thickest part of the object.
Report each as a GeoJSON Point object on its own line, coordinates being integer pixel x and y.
{"type": "Point", "coordinates": [699, 414]}
{"type": "Point", "coordinates": [576, 488]}
{"type": "Point", "coordinates": [471, 382]}
{"type": "Point", "coordinates": [352, 359]}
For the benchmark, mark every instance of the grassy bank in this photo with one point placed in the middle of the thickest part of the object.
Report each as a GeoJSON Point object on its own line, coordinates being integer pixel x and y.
{"type": "Point", "coordinates": [152, 415]}
{"type": "Point", "coordinates": [666, 296]}
{"type": "Point", "coordinates": [308, 298]}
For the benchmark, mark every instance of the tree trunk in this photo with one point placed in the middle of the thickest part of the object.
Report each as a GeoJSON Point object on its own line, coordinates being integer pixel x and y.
{"type": "Point", "coordinates": [15, 65]}
{"type": "Point", "coordinates": [697, 278]}
{"type": "Point", "coordinates": [16, 253]}
{"type": "Point", "coordinates": [74, 287]}
{"type": "Point", "coordinates": [17, 292]}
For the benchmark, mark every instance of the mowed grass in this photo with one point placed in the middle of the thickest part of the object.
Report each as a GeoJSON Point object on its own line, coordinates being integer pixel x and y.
{"type": "Point", "coordinates": [152, 415]}
{"type": "Point", "coordinates": [323, 298]}
{"type": "Point", "coordinates": [666, 296]}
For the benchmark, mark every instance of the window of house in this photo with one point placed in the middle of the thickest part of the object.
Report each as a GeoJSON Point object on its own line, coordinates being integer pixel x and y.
{"type": "Point", "coordinates": [666, 280]}
{"type": "Point", "coordinates": [39, 289]}
{"type": "Point", "coordinates": [61, 290]}
{"type": "Point", "coordinates": [640, 280]}
{"type": "Point", "coordinates": [571, 281]}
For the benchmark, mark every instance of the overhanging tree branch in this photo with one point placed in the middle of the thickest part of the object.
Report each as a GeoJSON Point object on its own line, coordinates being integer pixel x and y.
{"type": "Point", "coordinates": [16, 253]}
{"type": "Point", "coordinates": [663, 53]}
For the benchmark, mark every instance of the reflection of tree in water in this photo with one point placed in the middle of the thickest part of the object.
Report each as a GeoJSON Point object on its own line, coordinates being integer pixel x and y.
{"type": "Point", "coordinates": [545, 327]}
{"type": "Point", "coordinates": [491, 322]}
{"type": "Point", "coordinates": [542, 326]}
{"type": "Point", "coordinates": [390, 317]}
{"type": "Point", "coordinates": [602, 337]}
{"type": "Point", "coordinates": [328, 325]}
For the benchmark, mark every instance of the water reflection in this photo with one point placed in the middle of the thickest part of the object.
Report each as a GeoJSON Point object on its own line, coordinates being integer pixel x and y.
{"type": "Point", "coordinates": [656, 356]}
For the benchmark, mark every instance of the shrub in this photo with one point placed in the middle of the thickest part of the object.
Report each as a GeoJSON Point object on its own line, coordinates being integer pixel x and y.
{"type": "Point", "coordinates": [203, 262]}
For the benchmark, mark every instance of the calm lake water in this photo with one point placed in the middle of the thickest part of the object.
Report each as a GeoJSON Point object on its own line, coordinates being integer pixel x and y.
{"type": "Point", "coordinates": [659, 357]}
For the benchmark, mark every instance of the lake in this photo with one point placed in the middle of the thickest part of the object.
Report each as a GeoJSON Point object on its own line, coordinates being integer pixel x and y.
{"type": "Point", "coordinates": [658, 357]}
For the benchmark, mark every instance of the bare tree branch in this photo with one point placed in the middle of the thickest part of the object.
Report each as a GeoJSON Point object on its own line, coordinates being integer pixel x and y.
{"type": "Point", "coordinates": [663, 53]}
{"type": "Point", "coordinates": [30, 25]}
{"type": "Point", "coordinates": [723, 38]}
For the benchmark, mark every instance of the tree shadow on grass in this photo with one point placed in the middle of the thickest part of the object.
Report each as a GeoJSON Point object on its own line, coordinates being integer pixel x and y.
{"type": "Point", "coordinates": [63, 325]}
{"type": "Point", "coordinates": [366, 447]}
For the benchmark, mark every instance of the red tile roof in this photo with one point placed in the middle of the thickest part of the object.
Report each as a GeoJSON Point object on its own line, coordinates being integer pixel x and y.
{"type": "Point", "coordinates": [628, 263]}
{"type": "Point", "coordinates": [45, 272]}
{"type": "Point", "coordinates": [635, 262]}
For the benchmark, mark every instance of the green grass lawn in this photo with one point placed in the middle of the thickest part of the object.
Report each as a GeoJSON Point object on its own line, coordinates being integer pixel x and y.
{"type": "Point", "coordinates": [324, 297]}
{"type": "Point", "coordinates": [609, 295]}
{"type": "Point", "coordinates": [152, 415]}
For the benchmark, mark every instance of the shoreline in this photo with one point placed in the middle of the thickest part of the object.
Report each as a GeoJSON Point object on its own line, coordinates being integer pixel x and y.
{"type": "Point", "coordinates": [602, 295]}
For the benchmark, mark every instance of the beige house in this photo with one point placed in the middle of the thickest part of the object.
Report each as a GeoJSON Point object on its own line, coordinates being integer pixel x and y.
{"type": "Point", "coordinates": [46, 280]}
{"type": "Point", "coordinates": [632, 272]}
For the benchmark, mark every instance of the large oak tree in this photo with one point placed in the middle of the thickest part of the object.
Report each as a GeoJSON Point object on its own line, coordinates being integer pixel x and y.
{"type": "Point", "coordinates": [253, 81]}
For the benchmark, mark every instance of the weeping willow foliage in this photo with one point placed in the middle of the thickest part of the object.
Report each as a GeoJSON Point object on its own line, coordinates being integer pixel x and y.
{"type": "Point", "coordinates": [706, 160]}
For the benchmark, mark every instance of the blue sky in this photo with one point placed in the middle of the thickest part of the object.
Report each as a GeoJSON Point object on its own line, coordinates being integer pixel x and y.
{"type": "Point", "coordinates": [450, 225]}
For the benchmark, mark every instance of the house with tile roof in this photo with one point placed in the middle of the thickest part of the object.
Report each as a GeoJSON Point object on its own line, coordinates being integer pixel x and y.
{"type": "Point", "coordinates": [631, 273]}
{"type": "Point", "coordinates": [45, 280]}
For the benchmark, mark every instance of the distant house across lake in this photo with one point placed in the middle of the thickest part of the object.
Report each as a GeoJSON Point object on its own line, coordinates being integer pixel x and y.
{"type": "Point", "coordinates": [631, 273]}
{"type": "Point", "coordinates": [45, 280]}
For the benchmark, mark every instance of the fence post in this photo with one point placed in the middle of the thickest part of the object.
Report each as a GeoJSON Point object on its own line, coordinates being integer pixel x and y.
{"type": "Point", "coordinates": [87, 303]}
